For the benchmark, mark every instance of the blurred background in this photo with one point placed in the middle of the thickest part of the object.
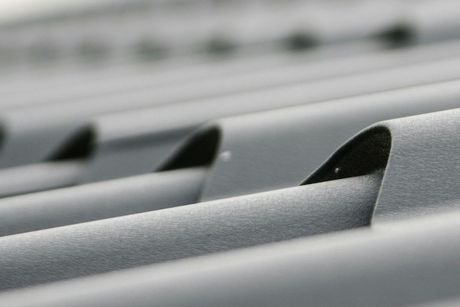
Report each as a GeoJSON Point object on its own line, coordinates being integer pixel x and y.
{"type": "Point", "coordinates": [56, 35]}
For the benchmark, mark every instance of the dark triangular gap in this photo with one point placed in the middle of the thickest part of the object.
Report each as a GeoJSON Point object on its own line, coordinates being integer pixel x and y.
{"type": "Point", "coordinates": [79, 146]}
{"type": "Point", "coordinates": [366, 153]}
{"type": "Point", "coordinates": [199, 150]}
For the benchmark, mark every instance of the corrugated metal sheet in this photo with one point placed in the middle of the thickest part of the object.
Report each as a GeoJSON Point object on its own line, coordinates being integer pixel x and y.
{"type": "Point", "coordinates": [267, 153]}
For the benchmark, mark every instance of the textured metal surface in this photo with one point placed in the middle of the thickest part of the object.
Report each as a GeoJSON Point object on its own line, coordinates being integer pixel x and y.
{"type": "Point", "coordinates": [48, 127]}
{"type": "Point", "coordinates": [186, 231]}
{"type": "Point", "coordinates": [355, 268]}
{"type": "Point", "coordinates": [98, 201]}
{"type": "Point", "coordinates": [230, 153]}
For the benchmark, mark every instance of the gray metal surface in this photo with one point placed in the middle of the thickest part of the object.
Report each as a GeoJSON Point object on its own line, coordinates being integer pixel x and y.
{"type": "Point", "coordinates": [290, 143]}
{"type": "Point", "coordinates": [102, 200]}
{"type": "Point", "coordinates": [45, 128]}
{"type": "Point", "coordinates": [419, 154]}
{"type": "Point", "coordinates": [77, 250]}
{"type": "Point", "coordinates": [212, 78]}
{"type": "Point", "coordinates": [23, 130]}
{"type": "Point", "coordinates": [230, 153]}
{"type": "Point", "coordinates": [269, 150]}
{"type": "Point", "coordinates": [404, 264]}
{"type": "Point", "coordinates": [186, 231]}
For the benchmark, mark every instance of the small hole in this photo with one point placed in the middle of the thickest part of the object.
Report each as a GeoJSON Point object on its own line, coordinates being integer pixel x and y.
{"type": "Point", "coordinates": [400, 35]}
{"type": "Point", "coordinates": [299, 41]}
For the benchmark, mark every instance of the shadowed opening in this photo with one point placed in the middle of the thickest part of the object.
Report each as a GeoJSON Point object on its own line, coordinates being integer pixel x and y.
{"type": "Point", "coordinates": [79, 146]}
{"type": "Point", "coordinates": [299, 41]}
{"type": "Point", "coordinates": [200, 150]}
{"type": "Point", "coordinates": [365, 154]}
{"type": "Point", "coordinates": [398, 36]}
